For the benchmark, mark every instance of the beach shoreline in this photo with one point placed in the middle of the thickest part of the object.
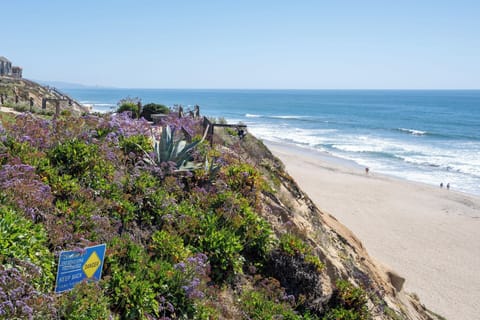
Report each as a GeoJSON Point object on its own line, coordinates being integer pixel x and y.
{"type": "Point", "coordinates": [428, 235]}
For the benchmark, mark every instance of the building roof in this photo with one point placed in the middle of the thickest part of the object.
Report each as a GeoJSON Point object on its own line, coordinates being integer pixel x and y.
{"type": "Point", "coordinates": [2, 58]}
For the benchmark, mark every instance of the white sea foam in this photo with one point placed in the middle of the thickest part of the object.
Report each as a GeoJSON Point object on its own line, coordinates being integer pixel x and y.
{"type": "Point", "coordinates": [417, 162]}
{"type": "Point", "coordinates": [285, 117]}
{"type": "Point", "coordinates": [299, 136]}
{"type": "Point", "coordinates": [413, 131]}
{"type": "Point", "coordinates": [289, 117]}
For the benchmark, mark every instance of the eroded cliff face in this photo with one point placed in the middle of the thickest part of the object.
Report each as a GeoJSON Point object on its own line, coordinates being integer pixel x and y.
{"type": "Point", "coordinates": [288, 208]}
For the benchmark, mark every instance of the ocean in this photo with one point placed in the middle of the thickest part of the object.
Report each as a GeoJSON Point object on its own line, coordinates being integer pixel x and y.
{"type": "Point", "coordinates": [429, 136]}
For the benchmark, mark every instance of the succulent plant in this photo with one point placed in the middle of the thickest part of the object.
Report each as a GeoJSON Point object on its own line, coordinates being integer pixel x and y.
{"type": "Point", "coordinates": [166, 149]}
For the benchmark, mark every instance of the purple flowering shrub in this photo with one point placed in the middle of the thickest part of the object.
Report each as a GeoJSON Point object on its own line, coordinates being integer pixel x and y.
{"type": "Point", "coordinates": [34, 131]}
{"type": "Point", "coordinates": [172, 237]}
{"type": "Point", "coordinates": [25, 189]}
{"type": "Point", "coordinates": [190, 126]}
{"type": "Point", "coordinates": [18, 297]}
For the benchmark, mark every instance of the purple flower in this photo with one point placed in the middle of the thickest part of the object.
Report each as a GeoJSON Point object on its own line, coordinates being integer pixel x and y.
{"type": "Point", "coordinates": [18, 298]}
{"type": "Point", "coordinates": [26, 188]}
{"type": "Point", "coordinates": [180, 266]}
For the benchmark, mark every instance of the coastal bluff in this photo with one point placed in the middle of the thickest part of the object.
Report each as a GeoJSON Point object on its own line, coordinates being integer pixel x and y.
{"type": "Point", "coordinates": [25, 94]}
{"type": "Point", "coordinates": [341, 251]}
{"type": "Point", "coordinates": [234, 238]}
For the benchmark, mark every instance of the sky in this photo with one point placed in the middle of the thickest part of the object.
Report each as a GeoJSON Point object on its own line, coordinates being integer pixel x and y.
{"type": "Point", "coordinates": [255, 44]}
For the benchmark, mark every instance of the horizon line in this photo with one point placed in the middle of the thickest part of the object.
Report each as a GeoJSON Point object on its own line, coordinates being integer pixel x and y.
{"type": "Point", "coordinates": [97, 86]}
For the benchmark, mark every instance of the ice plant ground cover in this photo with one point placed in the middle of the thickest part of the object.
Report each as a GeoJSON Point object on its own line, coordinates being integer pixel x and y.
{"type": "Point", "coordinates": [189, 244]}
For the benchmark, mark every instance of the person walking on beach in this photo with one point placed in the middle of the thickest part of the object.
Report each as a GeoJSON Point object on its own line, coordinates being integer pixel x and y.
{"type": "Point", "coordinates": [367, 170]}
{"type": "Point", "coordinates": [441, 184]}
{"type": "Point", "coordinates": [448, 186]}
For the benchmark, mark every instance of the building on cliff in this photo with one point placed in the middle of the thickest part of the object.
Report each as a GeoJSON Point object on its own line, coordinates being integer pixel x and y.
{"type": "Point", "coordinates": [6, 68]}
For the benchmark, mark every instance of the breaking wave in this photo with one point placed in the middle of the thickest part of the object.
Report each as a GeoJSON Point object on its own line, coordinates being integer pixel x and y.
{"type": "Point", "coordinates": [413, 131]}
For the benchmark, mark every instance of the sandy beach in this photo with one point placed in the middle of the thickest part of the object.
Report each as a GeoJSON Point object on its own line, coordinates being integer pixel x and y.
{"type": "Point", "coordinates": [428, 235]}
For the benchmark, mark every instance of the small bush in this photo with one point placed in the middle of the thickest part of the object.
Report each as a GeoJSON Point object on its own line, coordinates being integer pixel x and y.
{"type": "Point", "coordinates": [74, 157]}
{"type": "Point", "coordinates": [256, 305]}
{"type": "Point", "coordinates": [130, 291]}
{"type": "Point", "coordinates": [66, 113]}
{"type": "Point", "coordinates": [246, 180]}
{"type": "Point", "coordinates": [21, 107]}
{"type": "Point", "coordinates": [86, 301]}
{"type": "Point", "coordinates": [81, 160]}
{"type": "Point", "coordinates": [348, 303]}
{"type": "Point", "coordinates": [22, 240]}
{"type": "Point", "coordinates": [136, 144]}
{"type": "Point", "coordinates": [222, 247]}
{"type": "Point", "coordinates": [129, 107]}
{"type": "Point", "coordinates": [169, 246]}
{"type": "Point", "coordinates": [293, 245]}
{"type": "Point", "coordinates": [153, 108]}
{"type": "Point", "coordinates": [129, 104]}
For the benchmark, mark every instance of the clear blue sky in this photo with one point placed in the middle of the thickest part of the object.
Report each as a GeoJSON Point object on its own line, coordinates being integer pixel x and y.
{"type": "Point", "coordinates": [334, 44]}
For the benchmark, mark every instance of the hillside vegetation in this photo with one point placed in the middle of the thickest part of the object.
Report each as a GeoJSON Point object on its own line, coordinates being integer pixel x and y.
{"type": "Point", "coordinates": [26, 89]}
{"type": "Point", "coordinates": [218, 232]}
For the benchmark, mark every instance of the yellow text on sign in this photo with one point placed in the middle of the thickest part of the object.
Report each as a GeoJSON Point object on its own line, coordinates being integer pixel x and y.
{"type": "Point", "coordinates": [91, 265]}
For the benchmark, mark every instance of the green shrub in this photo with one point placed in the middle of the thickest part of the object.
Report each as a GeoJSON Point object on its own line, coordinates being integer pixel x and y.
{"type": "Point", "coordinates": [222, 247]}
{"type": "Point", "coordinates": [66, 113]}
{"type": "Point", "coordinates": [128, 286]}
{"type": "Point", "coordinates": [22, 150]}
{"type": "Point", "coordinates": [235, 212]}
{"type": "Point", "coordinates": [133, 295]}
{"type": "Point", "coordinates": [256, 305]}
{"type": "Point", "coordinates": [256, 235]}
{"type": "Point", "coordinates": [81, 160]}
{"type": "Point", "coordinates": [293, 245]}
{"type": "Point", "coordinates": [241, 176]}
{"type": "Point", "coordinates": [153, 108]}
{"type": "Point", "coordinates": [86, 301]}
{"type": "Point", "coordinates": [21, 107]}
{"type": "Point", "coordinates": [136, 144]}
{"type": "Point", "coordinates": [169, 247]}
{"type": "Point", "coordinates": [246, 180]}
{"type": "Point", "coordinates": [129, 106]}
{"type": "Point", "coordinates": [150, 199]}
{"type": "Point", "coordinates": [46, 112]}
{"type": "Point", "coordinates": [63, 186]}
{"type": "Point", "coordinates": [74, 157]}
{"type": "Point", "coordinates": [348, 303]}
{"type": "Point", "coordinates": [142, 285]}
{"type": "Point", "coordinates": [21, 239]}
{"type": "Point", "coordinates": [341, 314]}
{"type": "Point", "coordinates": [352, 297]}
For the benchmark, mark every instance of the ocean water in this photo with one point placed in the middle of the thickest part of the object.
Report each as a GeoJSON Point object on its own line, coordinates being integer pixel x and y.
{"type": "Point", "coordinates": [418, 135]}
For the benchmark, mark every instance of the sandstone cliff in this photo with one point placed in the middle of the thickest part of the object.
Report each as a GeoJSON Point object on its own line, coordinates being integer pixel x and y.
{"type": "Point", "coordinates": [289, 208]}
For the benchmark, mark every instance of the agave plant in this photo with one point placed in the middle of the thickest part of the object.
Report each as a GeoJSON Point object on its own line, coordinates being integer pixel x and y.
{"type": "Point", "coordinates": [168, 150]}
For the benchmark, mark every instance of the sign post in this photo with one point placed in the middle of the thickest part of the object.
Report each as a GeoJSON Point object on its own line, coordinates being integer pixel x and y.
{"type": "Point", "coordinates": [74, 267]}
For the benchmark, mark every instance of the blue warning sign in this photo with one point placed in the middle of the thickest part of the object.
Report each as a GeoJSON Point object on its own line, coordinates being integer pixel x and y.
{"type": "Point", "coordinates": [75, 266]}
